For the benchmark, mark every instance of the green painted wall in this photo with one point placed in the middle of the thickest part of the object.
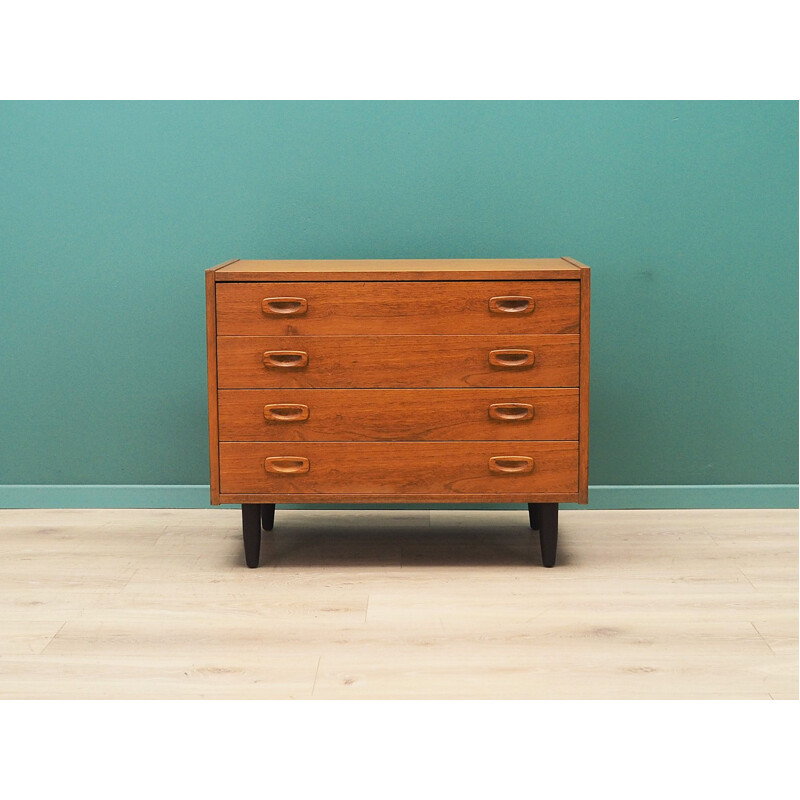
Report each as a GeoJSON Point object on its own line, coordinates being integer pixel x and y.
{"type": "Point", "coordinates": [110, 212]}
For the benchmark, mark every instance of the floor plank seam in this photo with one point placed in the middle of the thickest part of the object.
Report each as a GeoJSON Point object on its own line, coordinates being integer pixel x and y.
{"type": "Point", "coordinates": [133, 575]}
{"type": "Point", "coordinates": [52, 638]}
{"type": "Point", "coordinates": [314, 685]}
{"type": "Point", "coordinates": [762, 638]}
{"type": "Point", "coordinates": [744, 575]}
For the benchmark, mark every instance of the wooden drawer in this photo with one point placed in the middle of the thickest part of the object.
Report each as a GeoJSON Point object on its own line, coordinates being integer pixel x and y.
{"type": "Point", "coordinates": [400, 468]}
{"type": "Point", "coordinates": [383, 415]}
{"type": "Point", "coordinates": [382, 307]}
{"type": "Point", "coordinates": [396, 361]}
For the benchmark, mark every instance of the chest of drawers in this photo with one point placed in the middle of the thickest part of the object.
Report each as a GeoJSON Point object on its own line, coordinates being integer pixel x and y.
{"type": "Point", "coordinates": [398, 381]}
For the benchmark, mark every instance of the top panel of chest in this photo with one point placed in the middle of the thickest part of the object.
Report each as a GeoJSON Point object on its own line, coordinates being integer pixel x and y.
{"type": "Point", "coordinates": [481, 269]}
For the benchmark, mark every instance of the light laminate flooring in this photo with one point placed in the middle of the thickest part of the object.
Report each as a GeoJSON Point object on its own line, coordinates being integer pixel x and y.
{"type": "Point", "coordinates": [691, 604]}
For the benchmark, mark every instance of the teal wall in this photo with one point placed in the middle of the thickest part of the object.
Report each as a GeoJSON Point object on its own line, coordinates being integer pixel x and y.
{"type": "Point", "coordinates": [686, 211]}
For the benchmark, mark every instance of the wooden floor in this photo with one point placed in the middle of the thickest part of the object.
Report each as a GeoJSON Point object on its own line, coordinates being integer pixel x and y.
{"type": "Point", "coordinates": [398, 604]}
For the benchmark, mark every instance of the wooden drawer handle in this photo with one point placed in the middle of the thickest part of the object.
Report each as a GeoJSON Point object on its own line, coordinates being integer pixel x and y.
{"type": "Point", "coordinates": [511, 411]}
{"type": "Point", "coordinates": [284, 305]}
{"type": "Point", "coordinates": [512, 304]}
{"type": "Point", "coordinates": [508, 464]}
{"type": "Point", "coordinates": [285, 358]}
{"type": "Point", "coordinates": [511, 357]}
{"type": "Point", "coordinates": [286, 465]}
{"type": "Point", "coordinates": [285, 412]}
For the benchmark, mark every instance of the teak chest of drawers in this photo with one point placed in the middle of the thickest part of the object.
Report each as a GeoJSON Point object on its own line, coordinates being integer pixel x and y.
{"type": "Point", "coordinates": [398, 381]}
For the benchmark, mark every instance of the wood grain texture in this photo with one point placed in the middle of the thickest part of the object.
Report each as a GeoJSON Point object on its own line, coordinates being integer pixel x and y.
{"type": "Point", "coordinates": [395, 307]}
{"type": "Point", "coordinates": [157, 604]}
{"type": "Point", "coordinates": [403, 468]}
{"type": "Point", "coordinates": [396, 361]}
{"type": "Point", "coordinates": [400, 269]}
{"type": "Point", "coordinates": [363, 415]}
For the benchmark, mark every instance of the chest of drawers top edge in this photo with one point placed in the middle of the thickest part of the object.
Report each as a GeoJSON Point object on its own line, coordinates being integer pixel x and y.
{"type": "Point", "coordinates": [412, 270]}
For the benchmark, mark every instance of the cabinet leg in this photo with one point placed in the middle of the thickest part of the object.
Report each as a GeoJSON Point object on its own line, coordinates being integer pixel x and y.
{"type": "Point", "coordinates": [533, 515]}
{"type": "Point", "coordinates": [251, 533]}
{"type": "Point", "coordinates": [548, 532]}
{"type": "Point", "coordinates": [267, 516]}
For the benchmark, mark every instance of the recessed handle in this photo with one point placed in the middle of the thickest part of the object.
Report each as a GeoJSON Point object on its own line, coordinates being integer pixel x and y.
{"type": "Point", "coordinates": [285, 412]}
{"type": "Point", "coordinates": [286, 465]}
{"type": "Point", "coordinates": [511, 411]}
{"type": "Point", "coordinates": [285, 358]}
{"type": "Point", "coordinates": [512, 304]}
{"type": "Point", "coordinates": [284, 305]}
{"type": "Point", "coordinates": [511, 464]}
{"type": "Point", "coordinates": [511, 357]}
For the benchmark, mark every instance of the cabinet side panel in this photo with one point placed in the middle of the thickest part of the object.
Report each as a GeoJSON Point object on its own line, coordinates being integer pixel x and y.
{"type": "Point", "coordinates": [583, 382]}
{"type": "Point", "coordinates": [583, 424]}
{"type": "Point", "coordinates": [211, 351]}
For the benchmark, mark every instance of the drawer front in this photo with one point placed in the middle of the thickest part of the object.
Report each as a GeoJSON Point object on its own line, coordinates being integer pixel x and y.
{"type": "Point", "coordinates": [246, 362]}
{"type": "Point", "coordinates": [476, 307]}
{"type": "Point", "coordinates": [383, 415]}
{"type": "Point", "coordinates": [398, 468]}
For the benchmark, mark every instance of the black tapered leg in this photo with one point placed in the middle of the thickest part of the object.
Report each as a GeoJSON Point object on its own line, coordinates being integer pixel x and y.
{"type": "Point", "coordinates": [533, 515]}
{"type": "Point", "coordinates": [267, 516]}
{"type": "Point", "coordinates": [548, 532]}
{"type": "Point", "coordinates": [251, 533]}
